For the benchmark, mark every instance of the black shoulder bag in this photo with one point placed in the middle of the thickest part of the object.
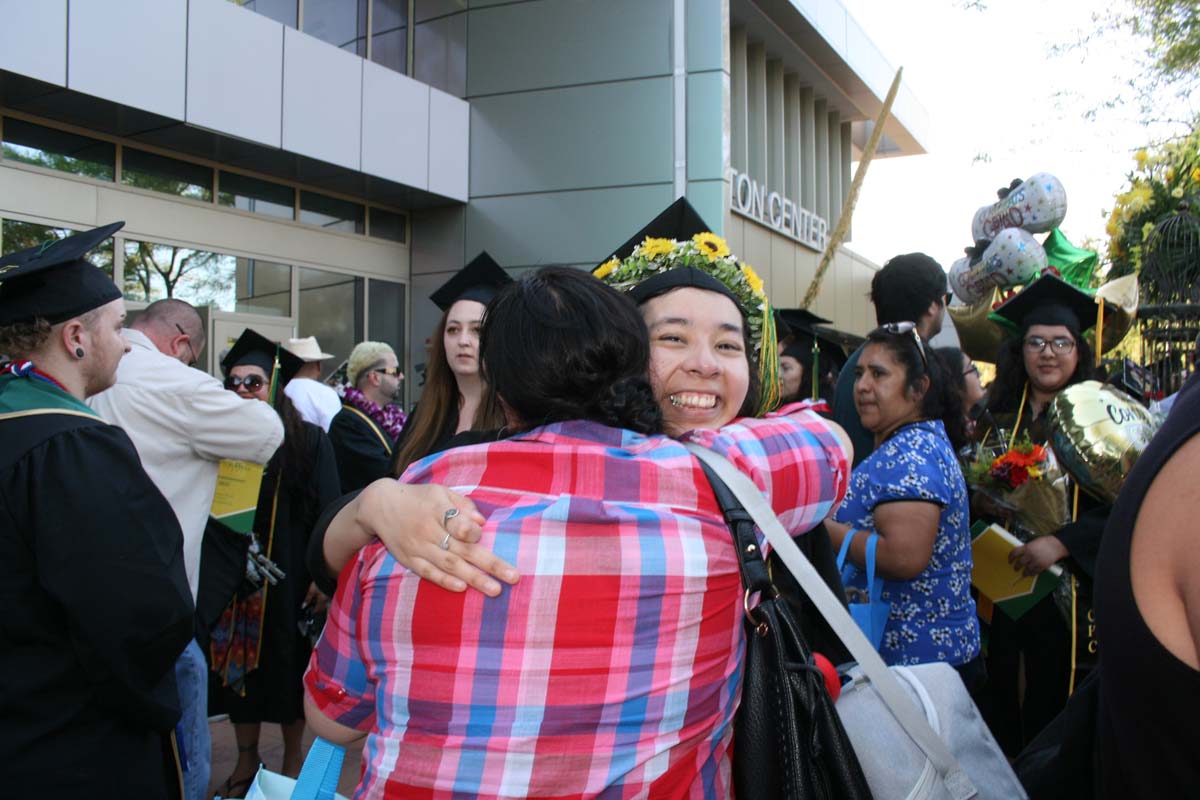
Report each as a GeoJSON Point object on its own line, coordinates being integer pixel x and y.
{"type": "Point", "coordinates": [788, 741]}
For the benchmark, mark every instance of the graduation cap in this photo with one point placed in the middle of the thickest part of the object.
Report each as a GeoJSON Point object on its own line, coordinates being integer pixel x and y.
{"type": "Point", "coordinates": [53, 281]}
{"type": "Point", "coordinates": [479, 280]}
{"type": "Point", "coordinates": [1050, 300]}
{"type": "Point", "coordinates": [254, 349]}
{"type": "Point", "coordinates": [797, 322]}
{"type": "Point", "coordinates": [678, 221]}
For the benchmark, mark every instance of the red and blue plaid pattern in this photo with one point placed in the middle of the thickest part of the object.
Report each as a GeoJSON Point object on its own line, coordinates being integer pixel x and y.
{"type": "Point", "coordinates": [613, 667]}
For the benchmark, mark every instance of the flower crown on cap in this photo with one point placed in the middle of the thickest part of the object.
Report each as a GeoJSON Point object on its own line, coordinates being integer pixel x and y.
{"type": "Point", "coordinates": [709, 253]}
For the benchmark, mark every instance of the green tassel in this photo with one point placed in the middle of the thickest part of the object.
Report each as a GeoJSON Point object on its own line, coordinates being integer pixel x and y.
{"type": "Point", "coordinates": [770, 392]}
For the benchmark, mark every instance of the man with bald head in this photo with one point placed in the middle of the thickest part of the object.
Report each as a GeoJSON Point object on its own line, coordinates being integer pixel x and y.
{"type": "Point", "coordinates": [183, 423]}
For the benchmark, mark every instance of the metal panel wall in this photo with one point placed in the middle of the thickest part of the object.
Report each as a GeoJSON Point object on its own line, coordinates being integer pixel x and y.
{"type": "Point", "coordinates": [395, 126]}
{"type": "Point", "coordinates": [322, 100]}
{"type": "Point", "coordinates": [32, 41]}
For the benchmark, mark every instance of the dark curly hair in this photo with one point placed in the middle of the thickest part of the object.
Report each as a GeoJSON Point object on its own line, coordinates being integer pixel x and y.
{"type": "Point", "coordinates": [943, 399]}
{"type": "Point", "coordinates": [1004, 395]}
{"type": "Point", "coordinates": [560, 345]}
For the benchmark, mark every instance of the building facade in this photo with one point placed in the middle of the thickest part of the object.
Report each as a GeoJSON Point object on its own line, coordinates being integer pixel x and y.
{"type": "Point", "coordinates": [318, 167]}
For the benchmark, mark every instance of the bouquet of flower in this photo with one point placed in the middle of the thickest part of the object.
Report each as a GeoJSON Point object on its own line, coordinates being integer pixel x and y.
{"type": "Point", "coordinates": [1025, 481]}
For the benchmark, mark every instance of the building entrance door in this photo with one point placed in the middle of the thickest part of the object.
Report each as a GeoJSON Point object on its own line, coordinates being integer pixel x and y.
{"type": "Point", "coordinates": [224, 328]}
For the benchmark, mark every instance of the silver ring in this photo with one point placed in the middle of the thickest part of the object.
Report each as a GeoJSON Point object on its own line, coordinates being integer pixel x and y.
{"type": "Point", "coordinates": [445, 545]}
{"type": "Point", "coordinates": [450, 514]}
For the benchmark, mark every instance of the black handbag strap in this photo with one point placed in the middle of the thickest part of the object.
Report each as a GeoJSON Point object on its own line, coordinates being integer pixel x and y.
{"type": "Point", "coordinates": [755, 575]}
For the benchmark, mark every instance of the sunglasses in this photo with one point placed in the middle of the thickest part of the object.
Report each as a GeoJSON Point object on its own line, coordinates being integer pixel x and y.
{"type": "Point", "coordinates": [252, 382]}
{"type": "Point", "coordinates": [903, 329]}
{"type": "Point", "coordinates": [393, 371]}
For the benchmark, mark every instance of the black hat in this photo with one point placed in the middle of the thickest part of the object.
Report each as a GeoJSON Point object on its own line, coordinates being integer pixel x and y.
{"type": "Point", "coordinates": [678, 221]}
{"type": "Point", "coordinates": [53, 281]}
{"type": "Point", "coordinates": [797, 321]}
{"type": "Point", "coordinates": [1050, 300]}
{"type": "Point", "coordinates": [479, 280]}
{"type": "Point", "coordinates": [254, 349]}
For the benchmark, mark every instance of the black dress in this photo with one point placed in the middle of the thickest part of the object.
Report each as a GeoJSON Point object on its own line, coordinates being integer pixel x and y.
{"type": "Point", "coordinates": [362, 449]}
{"type": "Point", "coordinates": [274, 692]}
{"type": "Point", "coordinates": [96, 605]}
{"type": "Point", "coordinates": [1149, 699]}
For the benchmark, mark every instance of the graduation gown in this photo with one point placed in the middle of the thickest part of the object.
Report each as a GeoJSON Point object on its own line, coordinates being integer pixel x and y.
{"type": "Point", "coordinates": [96, 605]}
{"type": "Point", "coordinates": [274, 692]}
{"type": "Point", "coordinates": [362, 448]}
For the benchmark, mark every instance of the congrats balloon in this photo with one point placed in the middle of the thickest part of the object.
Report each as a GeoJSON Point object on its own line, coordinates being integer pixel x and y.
{"type": "Point", "coordinates": [1037, 205]}
{"type": "Point", "coordinates": [978, 336]}
{"type": "Point", "coordinates": [1098, 432]}
{"type": "Point", "coordinates": [1014, 257]}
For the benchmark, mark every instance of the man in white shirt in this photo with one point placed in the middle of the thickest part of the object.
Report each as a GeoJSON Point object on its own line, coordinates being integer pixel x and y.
{"type": "Point", "coordinates": [183, 422]}
{"type": "Point", "coordinates": [315, 402]}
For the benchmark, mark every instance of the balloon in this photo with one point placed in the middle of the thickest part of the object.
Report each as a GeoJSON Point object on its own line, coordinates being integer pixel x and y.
{"type": "Point", "coordinates": [1037, 205]}
{"type": "Point", "coordinates": [1121, 294]}
{"type": "Point", "coordinates": [1014, 257]}
{"type": "Point", "coordinates": [833, 684]}
{"type": "Point", "coordinates": [978, 336]}
{"type": "Point", "coordinates": [1098, 432]}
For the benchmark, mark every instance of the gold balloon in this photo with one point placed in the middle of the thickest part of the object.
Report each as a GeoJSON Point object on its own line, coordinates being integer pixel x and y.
{"type": "Point", "coordinates": [978, 336]}
{"type": "Point", "coordinates": [1098, 432]}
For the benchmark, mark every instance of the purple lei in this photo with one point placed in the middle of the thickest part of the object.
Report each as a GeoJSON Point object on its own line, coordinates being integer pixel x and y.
{"type": "Point", "coordinates": [390, 417]}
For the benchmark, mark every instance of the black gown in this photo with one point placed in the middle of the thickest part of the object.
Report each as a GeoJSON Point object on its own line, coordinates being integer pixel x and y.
{"type": "Point", "coordinates": [96, 605]}
{"type": "Point", "coordinates": [274, 692]}
{"type": "Point", "coordinates": [362, 448]}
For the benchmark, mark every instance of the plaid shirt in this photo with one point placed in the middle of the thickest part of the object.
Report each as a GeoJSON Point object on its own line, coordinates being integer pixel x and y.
{"type": "Point", "coordinates": [613, 668]}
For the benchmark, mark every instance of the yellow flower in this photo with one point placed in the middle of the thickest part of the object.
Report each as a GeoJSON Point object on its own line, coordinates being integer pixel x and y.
{"type": "Point", "coordinates": [711, 245]}
{"type": "Point", "coordinates": [1140, 157]}
{"type": "Point", "coordinates": [1177, 192]}
{"type": "Point", "coordinates": [1170, 174]}
{"type": "Point", "coordinates": [653, 248]}
{"type": "Point", "coordinates": [1112, 229]}
{"type": "Point", "coordinates": [1196, 175]}
{"type": "Point", "coordinates": [605, 269]}
{"type": "Point", "coordinates": [756, 283]}
{"type": "Point", "coordinates": [1147, 229]}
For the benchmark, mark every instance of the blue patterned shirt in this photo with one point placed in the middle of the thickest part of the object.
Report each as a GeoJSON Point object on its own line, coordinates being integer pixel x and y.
{"type": "Point", "coordinates": [932, 616]}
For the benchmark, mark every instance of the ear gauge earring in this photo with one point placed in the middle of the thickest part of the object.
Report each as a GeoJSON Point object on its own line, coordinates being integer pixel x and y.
{"type": "Point", "coordinates": [79, 352]}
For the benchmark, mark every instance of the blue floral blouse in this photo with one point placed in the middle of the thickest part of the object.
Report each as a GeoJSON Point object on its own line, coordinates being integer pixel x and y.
{"type": "Point", "coordinates": [932, 616]}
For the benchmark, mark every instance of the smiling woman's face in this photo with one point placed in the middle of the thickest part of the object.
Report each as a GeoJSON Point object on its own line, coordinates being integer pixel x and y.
{"type": "Point", "coordinates": [699, 367]}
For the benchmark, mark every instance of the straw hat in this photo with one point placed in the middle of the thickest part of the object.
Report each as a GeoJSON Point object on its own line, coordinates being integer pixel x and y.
{"type": "Point", "coordinates": [306, 349]}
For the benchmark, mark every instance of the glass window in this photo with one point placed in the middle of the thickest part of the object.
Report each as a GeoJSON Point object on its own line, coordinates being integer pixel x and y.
{"type": "Point", "coordinates": [161, 174]}
{"type": "Point", "coordinates": [385, 314]}
{"type": "Point", "coordinates": [228, 283]}
{"type": "Point", "coordinates": [342, 23]}
{"type": "Point", "coordinates": [331, 310]}
{"type": "Point", "coordinates": [16, 235]}
{"type": "Point", "coordinates": [331, 213]}
{"type": "Point", "coordinates": [279, 10]}
{"type": "Point", "coordinates": [66, 152]}
{"type": "Point", "coordinates": [428, 9]}
{"type": "Point", "coordinates": [388, 225]}
{"type": "Point", "coordinates": [389, 34]}
{"type": "Point", "coordinates": [258, 196]}
{"type": "Point", "coordinates": [440, 53]}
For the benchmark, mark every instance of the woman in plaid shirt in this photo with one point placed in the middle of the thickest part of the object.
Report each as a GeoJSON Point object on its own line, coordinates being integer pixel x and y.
{"type": "Point", "coordinates": [612, 667]}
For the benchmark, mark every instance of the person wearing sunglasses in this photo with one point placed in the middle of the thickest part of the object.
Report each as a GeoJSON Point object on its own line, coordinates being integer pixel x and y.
{"type": "Point", "coordinates": [911, 287]}
{"type": "Point", "coordinates": [364, 432]}
{"type": "Point", "coordinates": [183, 423]}
{"type": "Point", "coordinates": [910, 492]}
{"type": "Point", "coordinates": [1030, 659]}
{"type": "Point", "coordinates": [259, 651]}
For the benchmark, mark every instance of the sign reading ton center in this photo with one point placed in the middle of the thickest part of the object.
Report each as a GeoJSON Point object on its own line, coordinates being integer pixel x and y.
{"type": "Point", "coordinates": [751, 199]}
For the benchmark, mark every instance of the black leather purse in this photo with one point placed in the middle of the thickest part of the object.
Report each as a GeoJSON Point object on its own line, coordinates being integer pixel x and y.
{"type": "Point", "coordinates": [788, 741]}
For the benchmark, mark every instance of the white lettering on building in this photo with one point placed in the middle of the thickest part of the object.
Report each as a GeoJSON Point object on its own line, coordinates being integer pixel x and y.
{"type": "Point", "coordinates": [752, 199]}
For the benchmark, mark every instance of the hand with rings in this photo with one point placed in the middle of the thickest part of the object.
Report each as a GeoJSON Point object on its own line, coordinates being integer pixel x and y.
{"type": "Point", "coordinates": [418, 523]}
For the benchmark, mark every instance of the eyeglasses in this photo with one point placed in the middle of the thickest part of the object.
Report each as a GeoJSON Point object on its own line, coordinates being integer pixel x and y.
{"type": "Point", "coordinates": [1060, 344]}
{"type": "Point", "coordinates": [903, 328]}
{"type": "Point", "coordinates": [252, 382]}
{"type": "Point", "coordinates": [393, 371]}
{"type": "Point", "coordinates": [971, 370]}
{"type": "Point", "coordinates": [179, 328]}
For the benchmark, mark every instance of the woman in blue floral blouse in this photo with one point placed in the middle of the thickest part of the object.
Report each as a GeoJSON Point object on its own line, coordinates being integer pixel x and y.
{"type": "Point", "coordinates": [910, 491]}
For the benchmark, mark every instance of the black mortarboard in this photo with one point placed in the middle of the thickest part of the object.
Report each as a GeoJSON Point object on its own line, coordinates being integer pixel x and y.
{"type": "Point", "coordinates": [479, 280]}
{"type": "Point", "coordinates": [252, 348]}
{"type": "Point", "coordinates": [679, 221]}
{"type": "Point", "coordinates": [1050, 300]}
{"type": "Point", "coordinates": [797, 321]}
{"type": "Point", "coordinates": [53, 281]}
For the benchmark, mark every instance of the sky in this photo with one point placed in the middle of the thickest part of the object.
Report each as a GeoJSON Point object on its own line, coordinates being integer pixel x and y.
{"type": "Point", "coordinates": [1002, 105]}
